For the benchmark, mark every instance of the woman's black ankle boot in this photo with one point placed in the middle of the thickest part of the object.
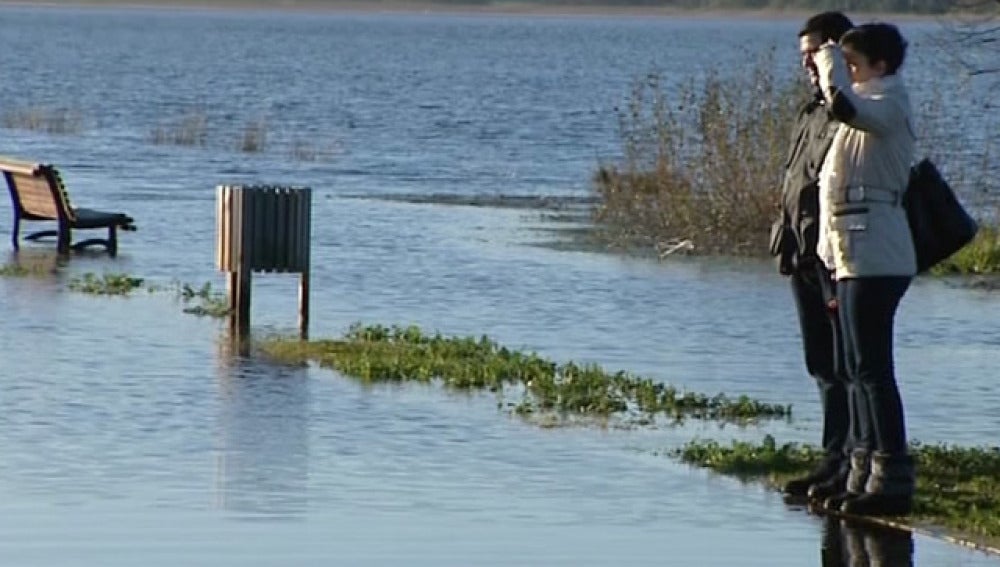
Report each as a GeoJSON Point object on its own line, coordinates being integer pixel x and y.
{"type": "Point", "coordinates": [889, 490]}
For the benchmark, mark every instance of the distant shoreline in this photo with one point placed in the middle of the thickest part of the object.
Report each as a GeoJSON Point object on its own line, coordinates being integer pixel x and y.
{"type": "Point", "coordinates": [425, 7]}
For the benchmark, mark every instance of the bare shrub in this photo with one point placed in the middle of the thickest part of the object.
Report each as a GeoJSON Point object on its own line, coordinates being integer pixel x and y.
{"type": "Point", "coordinates": [701, 169]}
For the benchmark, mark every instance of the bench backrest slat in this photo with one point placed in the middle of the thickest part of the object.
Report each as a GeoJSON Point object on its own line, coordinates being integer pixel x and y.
{"type": "Point", "coordinates": [35, 195]}
{"type": "Point", "coordinates": [37, 189]}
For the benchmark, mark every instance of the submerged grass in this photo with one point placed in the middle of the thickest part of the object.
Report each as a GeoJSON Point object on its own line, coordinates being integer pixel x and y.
{"type": "Point", "coordinates": [106, 284]}
{"type": "Point", "coordinates": [542, 388]}
{"type": "Point", "coordinates": [203, 301]}
{"type": "Point", "coordinates": [207, 301]}
{"type": "Point", "coordinates": [958, 488]}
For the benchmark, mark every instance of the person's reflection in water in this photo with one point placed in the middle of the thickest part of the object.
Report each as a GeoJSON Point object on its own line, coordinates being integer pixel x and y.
{"type": "Point", "coordinates": [263, 428]}
{"type": "Point", "coordinates": [853, 544]}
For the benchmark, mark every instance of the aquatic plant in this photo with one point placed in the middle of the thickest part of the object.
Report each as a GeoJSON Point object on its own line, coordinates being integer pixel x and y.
{"type": "Point", "coordinates": [202, 300]}
{"type": "Point", "coordinates": [529, 385]}
{"type": "Point", "coordinates": [106, 284]}
{"type": "Point", "coordinates": [209, 303]}
{"type": "Point", "coordinates": [958, 488]}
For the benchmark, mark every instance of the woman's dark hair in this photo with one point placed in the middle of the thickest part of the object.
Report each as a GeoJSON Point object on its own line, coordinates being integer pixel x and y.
{"type": "Point", "coordinates": [878, 42]}
{"type": "Point", "coordinates": [829, 25]}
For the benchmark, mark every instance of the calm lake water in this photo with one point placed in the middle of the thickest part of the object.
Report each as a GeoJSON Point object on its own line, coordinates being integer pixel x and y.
{"type": "Point", "coordinates": [131, 432]}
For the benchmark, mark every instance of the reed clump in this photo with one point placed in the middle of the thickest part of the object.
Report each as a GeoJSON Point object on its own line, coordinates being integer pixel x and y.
{"type": "Point", "coordinates": [701, 165]}
{"type": "Point", "coordinates": [526, 383]}
{"type": "Point", "coordinates": [957, 487]}
{"type": "Point", "coordinates": [189, 130]}
{"type": "Point", "coordinates": [254, 137]}
{"type": "Point", "coordinates": [48, 120]}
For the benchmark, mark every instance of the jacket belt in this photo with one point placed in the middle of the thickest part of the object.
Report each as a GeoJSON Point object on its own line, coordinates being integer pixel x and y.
{"type": "Point", "coordinates": [869, 194]}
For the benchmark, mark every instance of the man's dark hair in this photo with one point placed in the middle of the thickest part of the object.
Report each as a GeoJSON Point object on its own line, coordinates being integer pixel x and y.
{"type": "Point", "coordinates": [829, 25]}
{"type": "Point", "coordinates": [878, 42]}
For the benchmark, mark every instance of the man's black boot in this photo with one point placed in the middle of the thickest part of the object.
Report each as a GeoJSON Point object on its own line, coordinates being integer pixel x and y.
{"type": "Point", "coordinates": [828, 468]}
{"type": "Point", "coordinates": [851, 484]}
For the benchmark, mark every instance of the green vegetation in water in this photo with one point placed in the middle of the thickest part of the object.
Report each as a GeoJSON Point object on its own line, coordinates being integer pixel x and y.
{"type": "Point", "coordinates": [958, 488]}
{"type": "Point", "coordinates": [545, 389]}
{"type": "Point", "coordinates": [202, 301]}
{"type": "Point", "coordinates": [209, 303]}
{"type": "Point", "coordinates": [107, 284]}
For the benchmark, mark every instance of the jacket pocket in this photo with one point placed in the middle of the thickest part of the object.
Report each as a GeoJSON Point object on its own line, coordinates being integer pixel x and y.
{"type": "Point", "coordinates": [851, 226]}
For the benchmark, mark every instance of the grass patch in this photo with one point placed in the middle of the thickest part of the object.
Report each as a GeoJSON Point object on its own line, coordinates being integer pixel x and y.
{"type": "Point", "coordinates": [958, 488]}
{"type": "Point", "coordinates": [527, 384]}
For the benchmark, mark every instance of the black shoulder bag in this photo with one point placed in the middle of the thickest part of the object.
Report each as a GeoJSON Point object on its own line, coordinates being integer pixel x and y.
{"type": "Point", "coordinates": [939, 224]}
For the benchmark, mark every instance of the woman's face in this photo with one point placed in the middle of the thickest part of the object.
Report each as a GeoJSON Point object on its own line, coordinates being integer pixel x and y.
{"type": "Point", "coordinates": [860, 67]}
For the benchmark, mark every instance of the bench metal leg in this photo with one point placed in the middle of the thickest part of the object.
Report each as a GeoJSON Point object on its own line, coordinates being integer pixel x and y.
{"type": "Point", "coordinates": [112, 241]}
{"type": "Point", "coordinates": [65, 236]}
{"type": "Point", "coordinates": [41, 234]}
{"type": "Point", "coordinates": [16, 230]}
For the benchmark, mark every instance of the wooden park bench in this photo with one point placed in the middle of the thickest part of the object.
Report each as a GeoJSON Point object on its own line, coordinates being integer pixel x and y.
{"type": "Point", "coordinates": [38, 194]}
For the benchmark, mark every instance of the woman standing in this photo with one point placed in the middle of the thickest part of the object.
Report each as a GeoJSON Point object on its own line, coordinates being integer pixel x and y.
{"type": "Point", "coordinates": [865, 241]}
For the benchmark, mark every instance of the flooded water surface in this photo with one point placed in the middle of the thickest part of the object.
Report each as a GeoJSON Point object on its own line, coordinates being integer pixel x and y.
{"type": "Point", "coordinates": [131, 432]}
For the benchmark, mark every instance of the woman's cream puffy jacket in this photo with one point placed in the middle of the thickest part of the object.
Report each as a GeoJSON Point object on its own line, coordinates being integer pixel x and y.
{"type": "Point", "coordinates": [863, 226]}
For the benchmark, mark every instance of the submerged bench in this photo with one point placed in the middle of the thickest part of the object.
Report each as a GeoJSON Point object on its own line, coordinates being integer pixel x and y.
{"type": "Point", "coordinates": [38, 194]}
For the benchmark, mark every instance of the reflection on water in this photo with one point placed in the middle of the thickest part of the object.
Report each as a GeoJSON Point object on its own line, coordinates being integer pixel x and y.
{"type": "Point", "coordinates": [263, 430]}
{"type": "Point", "coordinates": [36, 261]}
{"type": "Point", "coordinates": [848, 543]}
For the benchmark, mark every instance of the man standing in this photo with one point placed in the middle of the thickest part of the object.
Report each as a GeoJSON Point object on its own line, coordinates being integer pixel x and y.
{"type": "Point", "coordinates": [794, 242]}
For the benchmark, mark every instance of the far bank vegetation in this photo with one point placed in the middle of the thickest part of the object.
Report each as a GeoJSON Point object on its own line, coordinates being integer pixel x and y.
{"type": "Point", "coordinates": [701, 167]}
